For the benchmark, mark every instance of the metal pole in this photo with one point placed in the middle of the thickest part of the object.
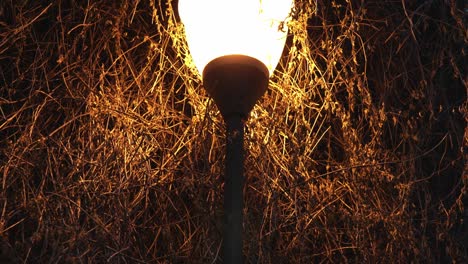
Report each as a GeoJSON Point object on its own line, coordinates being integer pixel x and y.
{"type": "Point", "coordinates": [233, 187]}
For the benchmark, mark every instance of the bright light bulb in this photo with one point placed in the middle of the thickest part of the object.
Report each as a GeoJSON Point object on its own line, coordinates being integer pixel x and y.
{"type": "Point", "coordinates": [254, 28]}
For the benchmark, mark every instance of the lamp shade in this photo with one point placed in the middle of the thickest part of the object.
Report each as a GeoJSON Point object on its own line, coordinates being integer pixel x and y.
{"type": "Point", "coordinates": [254, 28]}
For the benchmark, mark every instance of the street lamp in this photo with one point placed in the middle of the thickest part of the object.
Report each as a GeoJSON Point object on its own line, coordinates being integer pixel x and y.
{"type": "Point", "coordinates": [235, 45]}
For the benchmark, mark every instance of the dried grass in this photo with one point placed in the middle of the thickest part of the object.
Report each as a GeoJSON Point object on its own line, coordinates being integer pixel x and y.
{"type": "Point", "coordinates": [111, 151]}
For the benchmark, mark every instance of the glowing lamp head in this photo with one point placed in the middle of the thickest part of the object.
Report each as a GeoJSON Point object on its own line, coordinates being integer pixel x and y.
{"type": "Point", "coordinates": [217, 28]}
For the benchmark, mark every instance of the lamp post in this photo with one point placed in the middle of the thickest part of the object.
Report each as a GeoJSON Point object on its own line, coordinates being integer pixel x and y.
{"type": "Point", "coordinates": [236, 45]}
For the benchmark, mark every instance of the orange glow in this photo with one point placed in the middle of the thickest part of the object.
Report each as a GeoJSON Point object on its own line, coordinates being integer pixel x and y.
{"type": "Point", "coordinates": [215, 28]}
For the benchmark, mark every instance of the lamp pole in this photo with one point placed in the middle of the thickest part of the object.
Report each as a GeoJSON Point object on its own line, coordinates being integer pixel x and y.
{"type": "Point", "coordinates": [233, 187]}
{"type": "Point", "coordinates": [235, 82]}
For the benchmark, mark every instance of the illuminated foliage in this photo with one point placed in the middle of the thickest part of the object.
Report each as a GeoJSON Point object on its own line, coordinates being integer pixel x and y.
{"type": "Point", "coordinates": [110, 150]}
